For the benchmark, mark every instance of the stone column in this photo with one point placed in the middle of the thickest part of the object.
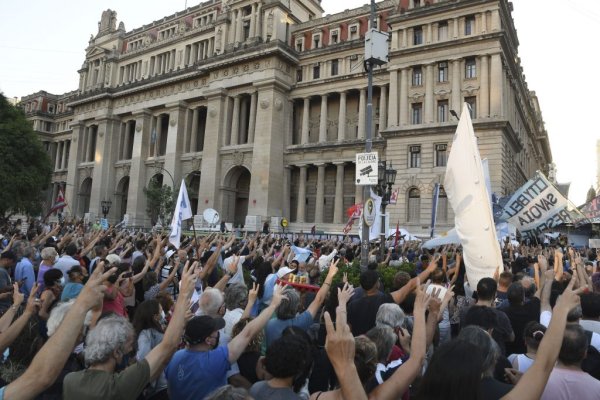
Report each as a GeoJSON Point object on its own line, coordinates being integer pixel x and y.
{"type": "Point", "coordinates": [456, 84]}
{"type": "Point", "coordinates": [393, 106]}
{"type": "Point", "coordinates": [301, 210]}
{"type": "Point", "coordinates": [66, 145]}
{"type": "Point", "coordinates": [382, 108]}
{"type": "Point", "coordinates": [259, 20]}
{"type": "Point", "coordinates": [136, 199]}
{"type": "Point", "coordinates": [484, 93]}
{"type": "Point", "coordinates": [91, 141]}
{"type": "Point", "coordinates": [362, 105]}
{"type": "Point", "coordinates": [342, 118]}
{"type": "Point", "coordinates": [209, 193]}
{"type": "Point", "coordinates": [235, 122]}
{"type": "Point", "coordinates": [130, 131]}
{"type": "Point", "coordinates": [239, 28]}
{"type": "Point", "coordinates": [305, 120]}
{"type": "Point", "coordinates": [338, 208]}
{"type": "Point", "coordinates": [497, 79]}
{"type": "Point", "coordinates": [323, 122]}
{"type": "Point", "coordinates": [83, 139]}
{"type": "Point", "coordinates": [403, 97]}
{"type": "Point", "coordinates": [194, 132]}
{"type": "Point", "coordinates": [253, 21]}
{"type": "Point", "coordinates": [252, 123]}
{"type": "Point", "coordinates": [320, 193]}
{"type": "Point", "coordinates": [72, 186]}
{"type": "Point", "coordinates": [175, 134]}
{"type": "Point", "coordinates": [286, 192]}
{"type": "Point", "coordinates": [103, 175]}
{"type": "Point", "coordinates": [455, 28]}
{"type": "Point", "coordinates": [243, 136]}
{"type": "Point", "coordinates": [122, 134]}
{"type": "Point", "coordinates": [428, 94]}
{"type": "Point", "coordinates": [58, 158]}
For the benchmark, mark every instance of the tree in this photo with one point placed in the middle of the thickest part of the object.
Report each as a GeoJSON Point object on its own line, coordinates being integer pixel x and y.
{"type": "Point", "coordinates": [159, 201]}
{"type": "Point", "coordinates": [25, 168]}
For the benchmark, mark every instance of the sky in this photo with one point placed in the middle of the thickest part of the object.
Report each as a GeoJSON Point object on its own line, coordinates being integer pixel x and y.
{"type": "Point", "coordinates": [43, 43]}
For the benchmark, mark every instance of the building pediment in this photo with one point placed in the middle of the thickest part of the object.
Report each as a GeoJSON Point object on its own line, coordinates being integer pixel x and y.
{"type": "Point", "coordinates": [96, 51]}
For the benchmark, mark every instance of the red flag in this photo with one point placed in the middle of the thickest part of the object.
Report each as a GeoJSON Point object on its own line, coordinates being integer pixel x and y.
{"type": "Point", "coordinates": [397, 238]}
{"type": "Point", "coordinates": [59, 204]}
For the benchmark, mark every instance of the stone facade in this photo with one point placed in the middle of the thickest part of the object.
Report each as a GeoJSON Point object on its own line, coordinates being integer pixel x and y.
{"type": "Point", "coordinates": [261, 106]}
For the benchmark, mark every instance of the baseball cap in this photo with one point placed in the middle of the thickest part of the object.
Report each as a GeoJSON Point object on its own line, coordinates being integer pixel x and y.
{"type": "Point", "coordinates": [169, 253]}
{"type": "Point", "coordinates": [283, 271]}
{"type": "Point", "coordinates": [113, 259]}
{"type": "Point", "coordinates": [199, 328]}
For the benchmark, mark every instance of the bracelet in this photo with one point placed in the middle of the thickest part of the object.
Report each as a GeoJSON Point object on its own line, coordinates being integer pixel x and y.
{"type": "Point", "coordinates": [326, 283]}
{"type": "Point", "coordinates": [14, 308]}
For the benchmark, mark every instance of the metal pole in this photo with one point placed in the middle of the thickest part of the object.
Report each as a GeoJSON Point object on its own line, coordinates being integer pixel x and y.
{"type": "Point", "coordinates": [383, 233]}
{"type": "Point", "coordinates": [364, 258]}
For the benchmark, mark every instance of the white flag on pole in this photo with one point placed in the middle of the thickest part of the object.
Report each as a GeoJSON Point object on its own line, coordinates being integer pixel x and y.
{"type": "Point", "coordinates": [183, 211]}
{"type": "Point", "coordinates": [467, 193]}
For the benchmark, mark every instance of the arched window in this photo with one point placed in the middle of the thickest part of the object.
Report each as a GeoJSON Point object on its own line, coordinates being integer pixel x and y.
{"type": "Point", "coordinates": [414, 205]}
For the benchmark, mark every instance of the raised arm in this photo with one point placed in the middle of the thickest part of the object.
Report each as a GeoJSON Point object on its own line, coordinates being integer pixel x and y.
{"type": "Point", "coordinates": [238, 344]}
{"type": "Point", "coordinates": [340, 347]}
{"type": "Point", "coordinates": [401, 294]}
{"type": "Point", "coordinates": [160, 355]}
{"type": "Point", "coordinates": [50, 360]}
{"type": "Point", "coordinates": [13, 331]}
{"type": "Point", "coordinates": [533, 382]}
{"type": "Point", "coordinates": [314, 306]}
{"type": "Point", "coordinates": [404, 376]}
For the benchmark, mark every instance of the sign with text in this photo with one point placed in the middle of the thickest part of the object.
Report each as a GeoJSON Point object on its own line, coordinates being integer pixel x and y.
{"type": "Point", "coordinates": [536, 207]}
{"type": "Point", "coordinates": [366, 168]}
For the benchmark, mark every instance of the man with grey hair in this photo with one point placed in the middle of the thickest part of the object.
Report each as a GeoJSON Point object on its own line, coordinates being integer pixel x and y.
{"type": "Point", "coordinates": [390, 314]}
{"type": "Point", "coordinates": [111, 339]}
{"type": "Point", "coordinates": [384, 338]}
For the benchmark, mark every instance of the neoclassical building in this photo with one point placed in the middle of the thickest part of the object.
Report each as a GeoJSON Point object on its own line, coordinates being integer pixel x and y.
{"type": "Point", "coordinates": [260, 105]}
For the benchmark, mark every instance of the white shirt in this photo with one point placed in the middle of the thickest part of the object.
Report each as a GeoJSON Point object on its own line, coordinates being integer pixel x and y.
{"type": "Point", "coordinates": [239, 275]}
{"type": "Point", "coordinates": [546, 316]}
{"type": "Point", "coordinates": [324, 260]}
{"type": "Point", "coordinates": [231, 318]}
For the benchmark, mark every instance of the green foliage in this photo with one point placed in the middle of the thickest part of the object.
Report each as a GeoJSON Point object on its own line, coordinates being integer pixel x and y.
{"type": "Point", "coordinates": [25, 168]}
{"type": "Point", "coordinates": [159, 201]}
{"type": "Point", "coordinates": [386, 272]}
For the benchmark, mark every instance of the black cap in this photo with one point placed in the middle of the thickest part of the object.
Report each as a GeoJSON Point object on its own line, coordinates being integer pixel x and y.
{"type": "Point", "coordinates": [199, 328]}
{"type": "Point", "coordinates": [76, 269]}
{"type": "Point", "coordinates": [8, 254]}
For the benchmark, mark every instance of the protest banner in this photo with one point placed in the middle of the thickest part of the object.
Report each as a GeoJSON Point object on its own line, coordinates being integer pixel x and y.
{"type": "Point", "coordinates": [536, 207]}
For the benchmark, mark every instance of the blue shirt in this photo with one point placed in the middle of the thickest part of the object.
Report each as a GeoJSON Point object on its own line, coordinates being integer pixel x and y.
{"type": "Point", "coordinates": [269, 287]}
{"type": "Point", "coordinates": [195, 374]}
{"type": "Point", "coordinates": [276, 326]}
{"type": "Point", "coordinates": [71, 291]}
{"type": "Point", "coordinates": [24, 270]}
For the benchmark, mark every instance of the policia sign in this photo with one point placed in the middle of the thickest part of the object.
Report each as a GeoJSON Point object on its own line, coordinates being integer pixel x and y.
{"type": "Point", "coordinates": [366, 169]}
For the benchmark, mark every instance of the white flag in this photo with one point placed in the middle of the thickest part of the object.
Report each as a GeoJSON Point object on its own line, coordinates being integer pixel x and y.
{"type": "Point", "coordinates": [467, 193]}
{"type": "Point", "coordinates": [375, 229]}
{"type": "Point", "coordinates": [183, 211]}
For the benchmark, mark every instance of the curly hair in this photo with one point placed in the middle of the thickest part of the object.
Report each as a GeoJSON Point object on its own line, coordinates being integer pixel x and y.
{"type": "Point", "coordinates": [110, 335]}
{"type": "Point", "coordinates": [288, 356]}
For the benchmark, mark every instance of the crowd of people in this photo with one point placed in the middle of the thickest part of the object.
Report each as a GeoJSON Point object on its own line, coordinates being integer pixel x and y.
{"type": "Point", "coordinates": [88, 313]}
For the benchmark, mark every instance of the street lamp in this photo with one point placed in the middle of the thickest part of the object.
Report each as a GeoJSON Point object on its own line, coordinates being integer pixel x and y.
{"type": "Point", "coordinates": [386, 178]}
{"type": "Point", "coordinates": [105, 204]}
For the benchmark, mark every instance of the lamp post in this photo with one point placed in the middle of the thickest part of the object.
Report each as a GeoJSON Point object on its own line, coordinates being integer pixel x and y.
{"type": "Point", "coordinates": [386, 179]}
{"type": "Point", "coordinates": [105, 204]}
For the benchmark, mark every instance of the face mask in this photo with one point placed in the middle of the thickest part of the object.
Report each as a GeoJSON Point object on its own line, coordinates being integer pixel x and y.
{"type": "Point", "coordinates": [62, 281]}
{"type": "Point", "coordinates": [56, 258]}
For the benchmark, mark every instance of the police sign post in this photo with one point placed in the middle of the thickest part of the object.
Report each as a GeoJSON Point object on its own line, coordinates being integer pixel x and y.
{"type": "Point", "coordinates": [366, 169]}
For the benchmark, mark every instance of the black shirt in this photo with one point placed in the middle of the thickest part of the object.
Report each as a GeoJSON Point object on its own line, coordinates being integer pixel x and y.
{"type": "Point", "coordinates": [519, 316]}
{"type": "Point", "coordinates": [362, 312]}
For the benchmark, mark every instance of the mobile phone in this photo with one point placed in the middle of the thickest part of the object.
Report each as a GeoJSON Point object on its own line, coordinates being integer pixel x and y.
{"type": "Point", "coordinates": [194, 307]}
